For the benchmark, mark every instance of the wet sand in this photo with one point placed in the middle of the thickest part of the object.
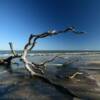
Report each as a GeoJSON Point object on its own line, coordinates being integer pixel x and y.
{"type": "Point", "coordinates": [19, 86]}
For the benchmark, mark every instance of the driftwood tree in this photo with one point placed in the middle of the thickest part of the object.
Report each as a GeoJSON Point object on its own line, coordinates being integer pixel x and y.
{"type": "Point", "coordinates": [32, 67]}
{"type": "Point", "coordinates": [39, 69]}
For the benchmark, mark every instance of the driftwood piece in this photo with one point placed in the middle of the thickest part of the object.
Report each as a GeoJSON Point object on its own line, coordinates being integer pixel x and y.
{"type": "Point", "coordinates": [33, 68]}
{"type": "Point", "coordinates": [7, 61]}
{"type": "Point", "coordinates": [39, 69]}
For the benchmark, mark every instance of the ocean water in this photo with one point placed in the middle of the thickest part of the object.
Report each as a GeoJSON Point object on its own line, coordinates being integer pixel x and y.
{"type": "Point", "coordinates": [11, 84]}
{"type": "Point", "coordinates": [82, 57]}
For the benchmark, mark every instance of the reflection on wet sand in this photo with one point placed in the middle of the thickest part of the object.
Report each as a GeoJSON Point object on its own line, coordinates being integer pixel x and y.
{"type": "Point", "coordinates": [85, 86]}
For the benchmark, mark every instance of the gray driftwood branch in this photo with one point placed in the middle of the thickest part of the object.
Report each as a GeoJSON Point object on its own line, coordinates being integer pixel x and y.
{"type": "Point", "coordinates": [32, 67]}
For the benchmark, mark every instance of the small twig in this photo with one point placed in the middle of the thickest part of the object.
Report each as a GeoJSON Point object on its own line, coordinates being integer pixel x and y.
{"type": "Point", "coordinates": [75, 74]}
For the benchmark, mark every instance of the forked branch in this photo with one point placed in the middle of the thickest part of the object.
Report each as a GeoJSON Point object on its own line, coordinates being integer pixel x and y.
{"type": "Point", "coordinates": [31, 43]}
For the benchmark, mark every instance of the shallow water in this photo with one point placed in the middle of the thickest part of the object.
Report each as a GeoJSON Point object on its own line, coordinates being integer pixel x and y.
{"type": "Point", "coordinates": [19, 86]}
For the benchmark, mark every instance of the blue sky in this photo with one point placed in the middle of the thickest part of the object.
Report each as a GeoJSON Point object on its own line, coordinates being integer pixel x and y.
{"type": "Point", "coordinates": [20, 18]}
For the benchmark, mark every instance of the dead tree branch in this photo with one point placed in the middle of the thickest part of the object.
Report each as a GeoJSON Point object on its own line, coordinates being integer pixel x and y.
{"type": "Point", "coordinates": [7, 61]}
{"type": "Point", "coordinates": [31, 66]}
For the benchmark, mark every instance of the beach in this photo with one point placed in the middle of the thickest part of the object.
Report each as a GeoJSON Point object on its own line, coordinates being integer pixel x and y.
{"type": "Point", "coordinates": [19, 85]}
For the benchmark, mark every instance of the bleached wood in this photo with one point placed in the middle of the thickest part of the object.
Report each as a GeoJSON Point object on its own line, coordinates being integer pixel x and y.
{"type": "Point", "coordinates": [32, 42]}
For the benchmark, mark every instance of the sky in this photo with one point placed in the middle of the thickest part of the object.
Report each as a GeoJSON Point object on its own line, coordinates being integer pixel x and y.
{"type": "Point", "coordinates": [20, 18]}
